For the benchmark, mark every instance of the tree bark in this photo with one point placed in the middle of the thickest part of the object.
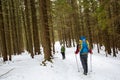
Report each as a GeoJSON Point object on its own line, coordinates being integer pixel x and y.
{"type": "Point", "coordinates": [46, 35]}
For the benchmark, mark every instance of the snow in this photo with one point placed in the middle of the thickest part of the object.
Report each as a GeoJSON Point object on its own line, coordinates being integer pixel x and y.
{"type": "Point", "coordinates": [23, 67]}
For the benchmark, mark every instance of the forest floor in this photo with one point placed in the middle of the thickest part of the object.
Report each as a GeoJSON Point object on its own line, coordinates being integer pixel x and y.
{"type": "Point", "coordinates": [23, 67]}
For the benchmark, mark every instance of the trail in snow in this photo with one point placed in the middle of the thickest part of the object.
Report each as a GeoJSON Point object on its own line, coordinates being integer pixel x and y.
{"type": "Point", "coordinates": [4, 75]}
{"type": "Point", "coordinates": [26, 68]}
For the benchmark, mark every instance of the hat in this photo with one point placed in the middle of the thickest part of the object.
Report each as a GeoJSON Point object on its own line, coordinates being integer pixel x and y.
{"type": "Point", "coordinates": [82, 37]}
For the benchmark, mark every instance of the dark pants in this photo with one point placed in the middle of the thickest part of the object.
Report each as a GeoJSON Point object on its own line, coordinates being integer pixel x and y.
{"type": "Point", "coordinates": [63, 55]}
{"type": "Point", "coordinates": [83, 58]}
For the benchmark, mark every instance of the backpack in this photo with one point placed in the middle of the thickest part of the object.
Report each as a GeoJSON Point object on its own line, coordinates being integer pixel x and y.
{"type": "Point", "coordinates": [84, 46]}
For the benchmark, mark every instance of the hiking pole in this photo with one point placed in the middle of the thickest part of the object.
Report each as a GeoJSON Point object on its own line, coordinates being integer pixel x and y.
{"type": "Point", "coordinates": [77, 63]}
{"type": "Point", "coordinates": [91, 62]}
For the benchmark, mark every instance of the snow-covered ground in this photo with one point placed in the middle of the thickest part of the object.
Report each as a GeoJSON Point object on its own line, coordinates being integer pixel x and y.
{"type": "Point", "coordinates": [23, 67]}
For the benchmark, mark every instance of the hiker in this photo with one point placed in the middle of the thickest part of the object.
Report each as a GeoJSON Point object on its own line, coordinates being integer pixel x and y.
{"type": "Point", "coordinates": [83, 49]}
{"type": "Point", "coordinates": [63, 52]}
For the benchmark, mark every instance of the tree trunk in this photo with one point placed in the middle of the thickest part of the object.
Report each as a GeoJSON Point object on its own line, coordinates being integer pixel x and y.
{"type": "Point", "coordinates": [2, 29]}
{"type": "Point", "coordinates": [46, 35]}
{"type": "Point", "coordinates": [28, 28]}
{"type": "Point", "coordinates": [35, 28]}
{"type": "Point", "coordinates": [76, 19]}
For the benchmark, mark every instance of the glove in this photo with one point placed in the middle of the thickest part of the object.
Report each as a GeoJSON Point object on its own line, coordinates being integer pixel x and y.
{"type": "Point", "coordinates": [76, 52]}
{"type": "Point", "coordinates": [90, 51]}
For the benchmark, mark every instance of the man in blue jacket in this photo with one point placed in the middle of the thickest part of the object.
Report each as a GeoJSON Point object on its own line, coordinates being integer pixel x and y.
{"type": "Point", "coordinates": [84, 49]}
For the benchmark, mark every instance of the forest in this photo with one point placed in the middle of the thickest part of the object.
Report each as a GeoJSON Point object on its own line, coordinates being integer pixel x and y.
{"type": "Point", "coordinates": [35, 24]}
